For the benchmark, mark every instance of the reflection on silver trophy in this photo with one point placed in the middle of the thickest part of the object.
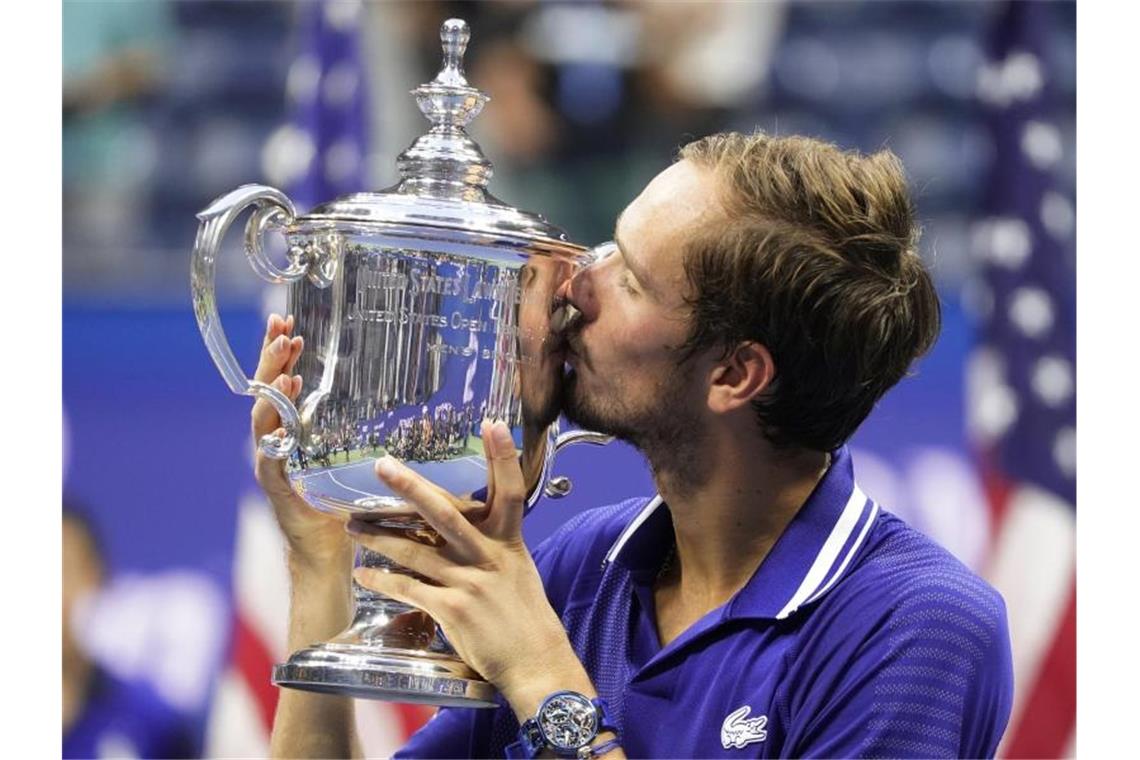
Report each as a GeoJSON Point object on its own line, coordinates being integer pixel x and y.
{"type": "Point", "coordinates": [425, 309]}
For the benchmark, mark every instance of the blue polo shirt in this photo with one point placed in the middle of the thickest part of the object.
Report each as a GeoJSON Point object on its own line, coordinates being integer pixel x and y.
{"type": "Point", "coordinates": [857, 636]}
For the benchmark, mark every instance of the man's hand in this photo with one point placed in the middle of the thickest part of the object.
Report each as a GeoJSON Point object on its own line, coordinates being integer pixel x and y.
{"type": "Point", "coordinates": [314, 538]}
{"type": "Point", "coordinates": [487, 594]}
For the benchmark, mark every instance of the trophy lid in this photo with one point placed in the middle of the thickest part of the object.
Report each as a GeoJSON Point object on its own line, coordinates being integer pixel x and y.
{"type": "Point", "coordinates": [444, 174]}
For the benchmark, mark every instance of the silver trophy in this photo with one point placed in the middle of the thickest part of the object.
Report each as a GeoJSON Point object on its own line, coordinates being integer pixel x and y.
{"type": "Point", "coordinates": [425, 308]}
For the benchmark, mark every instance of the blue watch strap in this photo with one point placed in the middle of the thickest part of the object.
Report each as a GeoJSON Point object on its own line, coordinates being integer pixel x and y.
{"type": "Point", "coordinates": [604, 722]}
{"type": "Point", "coordinates": [529, 742]}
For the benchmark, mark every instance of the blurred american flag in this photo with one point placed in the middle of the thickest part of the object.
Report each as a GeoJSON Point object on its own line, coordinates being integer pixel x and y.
{"type": "Point", "coordinates": [318, 156]}
{"type": "Point", "coordinates": [1022, 382]}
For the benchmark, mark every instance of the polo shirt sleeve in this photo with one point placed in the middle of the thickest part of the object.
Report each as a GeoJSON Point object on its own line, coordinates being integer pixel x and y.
{"type": "Point", "coordinates": [452, 731]}
{"type": "Point", "coordinates": [931, 676]}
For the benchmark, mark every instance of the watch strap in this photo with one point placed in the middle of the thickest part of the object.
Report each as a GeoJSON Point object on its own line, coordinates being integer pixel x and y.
{"type": "Point", "coordinates": [529, 743]}
{"type": "Point", "coordinates": [604, 721]}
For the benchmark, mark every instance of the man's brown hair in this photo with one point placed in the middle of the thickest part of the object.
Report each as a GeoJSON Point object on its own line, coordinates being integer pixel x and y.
{"type": "Point", "coordinates": [818, 261]}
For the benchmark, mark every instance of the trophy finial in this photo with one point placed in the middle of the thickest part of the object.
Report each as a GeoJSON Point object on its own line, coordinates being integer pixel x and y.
{"type": "Point", "coordinates": [446, 161]}
{"type": "Point", "coordinates": [454, 34]}
{"type": "Point", "coordinates": [452, 100]}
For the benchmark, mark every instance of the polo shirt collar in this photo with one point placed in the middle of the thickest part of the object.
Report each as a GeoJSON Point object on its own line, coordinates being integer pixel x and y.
{"type": "Point", "coordinates": [807, 560]}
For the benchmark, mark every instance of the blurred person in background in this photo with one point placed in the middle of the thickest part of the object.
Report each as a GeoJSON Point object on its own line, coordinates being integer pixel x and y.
{"type": "Point", "coordinates": [760, 297]}
{"type": "Point", "coordinates": [104, 716]}
{"type": "Point", "coordinates": [112, 62]}
{"type": "Point", "coordinates": [594, 94]}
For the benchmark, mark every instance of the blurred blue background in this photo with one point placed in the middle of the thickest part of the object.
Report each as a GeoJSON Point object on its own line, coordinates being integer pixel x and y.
{"type": "Point", "coordinates": [167, 105]}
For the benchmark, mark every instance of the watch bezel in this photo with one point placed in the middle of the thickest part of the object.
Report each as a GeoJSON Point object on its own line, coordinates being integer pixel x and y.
{"type": "Point", "coordinates": [587, 734]}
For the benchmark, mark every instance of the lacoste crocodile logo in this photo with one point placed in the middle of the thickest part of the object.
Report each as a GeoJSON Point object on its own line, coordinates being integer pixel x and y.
{"type": "Point", "coordinates": [739, 730]}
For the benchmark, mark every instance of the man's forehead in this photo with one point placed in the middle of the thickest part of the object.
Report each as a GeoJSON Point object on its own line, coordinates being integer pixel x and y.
{"type": "Point", "coordinates": [683, 193]}
{"type": "Point", "coordinates": [673, 206]}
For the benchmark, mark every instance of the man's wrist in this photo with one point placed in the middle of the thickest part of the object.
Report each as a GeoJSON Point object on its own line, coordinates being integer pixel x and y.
{"type": "Point", "coordinates": [320, 600]}
{"type": "Point", "coordinates": [527, 696]}
{"type": "Point", "coordinates": [325, 564]}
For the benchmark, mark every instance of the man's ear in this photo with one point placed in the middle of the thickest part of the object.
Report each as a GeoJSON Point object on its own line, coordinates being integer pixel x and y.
{"type": "Point", "coordinates": [741, 376]}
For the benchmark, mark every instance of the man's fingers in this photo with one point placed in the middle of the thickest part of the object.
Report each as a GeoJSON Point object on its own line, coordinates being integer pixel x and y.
{"type": "Point", "coordinates": [401, 587]}
{"type": "Point", "coordinates": [434, 505]}
{"type": "Point", "coordinates": [273, 327]}
{"type": "Point", "coordinates": [485, 434]}
{"type": "Point", "coordinates": [273, 358]}
{"type": "Point", "coordinates": [279, 351]}
{"type": "Point", "coordinates": [506, 502]}
{"type": "Point", "coordinates": [399, 548]}
{"type": "Point", "coordinates": [270, 473]}
{"type": "Point", "coordinates": [264, 417]}
{"type": "Point", "coordinates": [296, 345]}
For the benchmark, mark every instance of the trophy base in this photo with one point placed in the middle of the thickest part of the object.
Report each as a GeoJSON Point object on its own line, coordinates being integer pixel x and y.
{"type": "Point", "coordinates": [386, 674]}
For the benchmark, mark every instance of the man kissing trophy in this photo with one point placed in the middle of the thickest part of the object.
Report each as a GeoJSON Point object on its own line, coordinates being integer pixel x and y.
{"type": "Point", "coordinates": [424, 310]}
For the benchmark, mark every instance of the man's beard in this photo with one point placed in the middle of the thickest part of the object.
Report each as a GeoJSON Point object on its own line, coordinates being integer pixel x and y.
{"type": "Point", "coordinates": [664, 427]}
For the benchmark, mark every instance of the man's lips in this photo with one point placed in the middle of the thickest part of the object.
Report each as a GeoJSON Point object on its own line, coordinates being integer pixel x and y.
{"type": "Point", "coordinates": [574, 353]}
{"type": "Point", "coordinates": [565, 319]}
{"type": "Point", "coordinates": [557, 345]}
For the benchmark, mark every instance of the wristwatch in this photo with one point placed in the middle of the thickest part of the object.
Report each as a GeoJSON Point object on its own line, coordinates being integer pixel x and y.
{"type": "Point", "coordinates": [566, 723]}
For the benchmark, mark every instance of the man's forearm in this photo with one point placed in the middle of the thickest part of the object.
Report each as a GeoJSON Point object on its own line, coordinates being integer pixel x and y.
{"type": "Point", "coordinates": [309, 724]}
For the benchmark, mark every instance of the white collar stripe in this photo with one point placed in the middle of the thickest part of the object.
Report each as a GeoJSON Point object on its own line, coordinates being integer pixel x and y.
{"type": "Point", "coordinates": [850, 553]}
{"type": "Point", "coordinates": [632, 528]}
{"type": "Point", "coordinates": [817, 574]}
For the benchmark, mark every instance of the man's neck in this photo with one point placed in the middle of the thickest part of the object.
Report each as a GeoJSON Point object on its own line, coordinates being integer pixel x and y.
{"type": "Point", "coordinates": [726, 524]}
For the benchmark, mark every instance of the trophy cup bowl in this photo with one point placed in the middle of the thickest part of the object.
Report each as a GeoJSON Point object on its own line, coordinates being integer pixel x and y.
{"type": "Point", "coordinates": [425, 309]}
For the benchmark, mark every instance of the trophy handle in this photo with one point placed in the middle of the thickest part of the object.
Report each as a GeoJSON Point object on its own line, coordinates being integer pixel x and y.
{"type": "Point", "coordinates": [558, 486]}
{"type": "Point", "coordinates": [272, 209]}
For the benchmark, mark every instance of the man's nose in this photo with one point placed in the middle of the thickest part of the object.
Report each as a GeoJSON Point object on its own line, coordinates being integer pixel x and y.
{"type": "Point", "coordinates": [578, 290]}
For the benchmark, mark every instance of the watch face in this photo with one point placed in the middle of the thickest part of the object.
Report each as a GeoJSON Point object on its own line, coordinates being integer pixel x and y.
{"type": "Point", "coordinates": [568, 721]}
